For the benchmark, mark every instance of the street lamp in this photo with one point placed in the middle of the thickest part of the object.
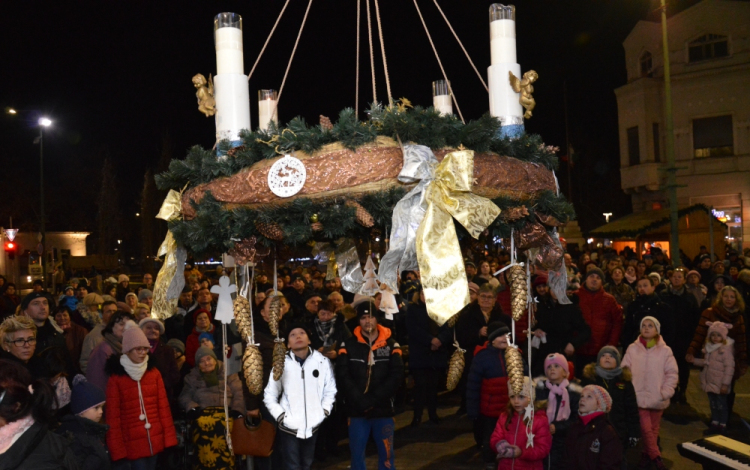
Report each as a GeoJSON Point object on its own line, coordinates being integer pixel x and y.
{"type": "Point", "coordinates": [43, 122]}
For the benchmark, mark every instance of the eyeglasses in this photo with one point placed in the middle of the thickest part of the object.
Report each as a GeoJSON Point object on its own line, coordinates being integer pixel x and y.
{"type": "Point", "coordinates": [22, 342]}
{"type": "Point", "coordinates": [142, 349]}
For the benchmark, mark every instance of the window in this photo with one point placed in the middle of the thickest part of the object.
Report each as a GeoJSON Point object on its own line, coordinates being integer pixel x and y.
{"type": "Point", "coordinates": [634, 146]}
{"type": "Point", "coordinates": [713, 137]}
{"type": "Point", "coordinates": [709, 46]}
{"type": "Point", "coordinates": [657, 142]}
{"type": "Point", "coordinates": [647, 65]}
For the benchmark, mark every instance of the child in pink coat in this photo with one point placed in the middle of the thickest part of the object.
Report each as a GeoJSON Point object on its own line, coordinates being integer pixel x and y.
{"type": "Point", "coordinates": [654, 377]}
{"type": "Point", "coordinates": [716, 376]}
{"type": "Point", "coordinates": [510, 439]}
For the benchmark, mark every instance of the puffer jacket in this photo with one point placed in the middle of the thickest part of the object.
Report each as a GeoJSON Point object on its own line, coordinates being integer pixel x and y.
{"type": "Point", "coordinates": [718, 366]}
{"type": "Point", "coordinates": [88, 441]}
{"type": "Point", "coordinates": [603, 315]}
{"type": "Point", "coordinates": [531, 458]}
{"type": "Point", "coordinates": [654, 373]}
{"type": "Point", "coordinates": [196, 394]}
{"type": "Point", "coordinates": [129, 436]}
{"type": "Point", "coordinates": [624, 413]}
{"type": "Point", "coordinates": [304, 395]}
{"type": "Point", "coordinates": [369, 390]}
{"type": "Point", "coordinates": [594, 446]}
{"type": "Point", "coordinates": [39, 449]}
{"type": "Point", "coordinates": [737, 333]}
{"type": "Point", "coordinates": [487, 385]}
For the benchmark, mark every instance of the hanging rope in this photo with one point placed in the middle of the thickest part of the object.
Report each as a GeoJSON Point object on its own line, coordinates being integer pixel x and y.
{"type": "Point", "coordinates": [356, 80]}
{"type": "Point", "coordinates": [382, 51]}
{"type": "Point", "coordinates": [372, 53]}
{"type": "Point", "coordinates": [462, 46]}
{"type": "Point", "coordinates": [445, 77]}
{"type": "Point", "coordinates": [267, 40]}
{"type": "Point", "coordinates": [296, 42]}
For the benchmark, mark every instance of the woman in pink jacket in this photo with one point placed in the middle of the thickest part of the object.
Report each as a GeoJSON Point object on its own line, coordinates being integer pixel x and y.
{"type": "Point", "coordinates": [654, 377]}
{"type": "Point", "coordinates": [510, 438]}
{"type": "Point", "coordinates": [716, 376]}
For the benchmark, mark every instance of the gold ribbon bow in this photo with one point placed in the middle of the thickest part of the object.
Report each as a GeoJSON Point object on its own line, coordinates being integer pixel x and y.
{"type": "Point", "coordinates": [168, 284]}
{"type": "Point", "coordinates": [441, 265]}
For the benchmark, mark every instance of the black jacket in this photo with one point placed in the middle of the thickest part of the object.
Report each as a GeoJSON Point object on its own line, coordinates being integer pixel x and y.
{"type": "Point", "coordinates": [686, 316]}
{"type": "Point", "coordinates": [422, 330]}
{"type": "Point", "coordinates": [88, 441]}
{"type": "Point", "coordinates": [624, 412]}
{"type": "Point", "coordinates": [594, 446]}
{"type": "Point", "coordinates": [469, 324]}
{"type": "Point", "coordinates": [369, 390]}
{"type": "Point", "coordinates": [645, 306]}
{"type": "Point", "coordinates": [563, 324]}
{"type": "Point", "coordinates": [39, 449]}
{"type": "Point", "coordinates": [340, 333]}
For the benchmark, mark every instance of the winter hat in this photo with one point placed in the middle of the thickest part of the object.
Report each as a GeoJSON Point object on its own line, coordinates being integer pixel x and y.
{"type": "Point", "coordinates": [207, 336]}
{"type": "Point", "coordinates": [655, 276]}
{"type": "Point", "coordinates": [134, 338]}
{"type": "Point", "coordinates": [124, 307]}
{"type": "Point", "coordinates": [144, 294]}
{"type": "Point", "coordinates": [31, 296]}
{"type": "Point", "coordinates": [131, 294]}
{"type": "Point", "coordinates": [539, 281]}
{"type": "Point", "coordinates": [67, 288]}
{"type": "Point", "coordinates": [718, 327]}
{"type": "Point", "coordinates": [123, 278]}
{"type": "Point", "coordinates": [526, 391]}
{"type": "Point", "coordinates": [693, 272]}
{"type": "Point", "coordinates": [85, 395]}
{"type": "Point", "coordinates": [203, 352]}
{"type": "Point", "coordinates": [359, 299]}
{"type": "Point", "coordinates": [294, 327]}
{"type": "Point", "coordinates": [199, 311]}
{"type": "Point", "coordinates": [177, 345]}
{"type": "Point", "coordinates": [108, 298]}
{"type": "Point", "coordinates": [603, 399]}
{"type": "Point", "coordinates": [93, 299]}
{"type": "Point", "coordinates": [152, 320]}
{"type": "Point", "coordinates": [595, 271]}
{"type": "Point", "coordinates": [497, 328]}
{"type": "Point", "coordinates": [656, 323]}
{"type": "Point", "coordinates": [558, 359]}
{"type": "Point", "coordinates": [612, 351]}
{"type": "Point", "coordinates": [473, 287]}
{"type": "Point", "coordinates": [111, 280]}
{"type": "Point", "coordinates": [368, 308]}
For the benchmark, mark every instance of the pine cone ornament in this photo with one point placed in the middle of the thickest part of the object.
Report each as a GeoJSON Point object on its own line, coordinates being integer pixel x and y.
{"type": "Point", "coordinates": [518, 293]}
{"type": "Point", "coordinates": [279, 351]}
{"type": "Point", "coordinates": [242, 317]}
{"type": "Point", "coordinates": [455, 368]}
{"type": "Point", "coordinates": [271, 231]}
{"type": "Point", "coordinates": [274, 313]}
{"type": "Point", "coordinates": [363, 217]}
{"type": "Point", "coordinates": [325, 123]}
{"type": "Point", "coordinates": [454, 319]}
{"type": "Point", "coordinates": [514, 365]}
{"type": "Point", "coordinates": [252, 365]}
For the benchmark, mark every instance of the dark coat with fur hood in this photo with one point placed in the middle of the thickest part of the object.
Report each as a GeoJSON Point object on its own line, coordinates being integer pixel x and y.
{"type": "Point", "coordinates": [624, 414]}
{"type": "Point", "coordinates": [88, 441]}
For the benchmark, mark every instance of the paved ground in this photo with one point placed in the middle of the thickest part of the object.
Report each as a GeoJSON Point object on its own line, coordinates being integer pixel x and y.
{"type": "Point", "coordinates": [450, 445]}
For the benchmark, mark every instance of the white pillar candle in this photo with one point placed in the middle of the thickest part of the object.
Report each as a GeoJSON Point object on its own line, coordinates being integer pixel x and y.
{"type": "Point", "coordinates": [231, 90]}
{"type": "Point", "coordinates": [229, 54]}
{"type": "Point", "coordinates": [441, 98]}
{"type": "Point", "coordinates": [267, 108]}
{"type": "Point", "coordinates": [504, 102]}
{"type": "Point", "coordinates": [502, 41]}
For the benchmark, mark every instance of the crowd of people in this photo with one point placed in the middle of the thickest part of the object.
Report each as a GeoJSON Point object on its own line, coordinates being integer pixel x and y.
{"type": "Point", "coordinates": [89, 379]}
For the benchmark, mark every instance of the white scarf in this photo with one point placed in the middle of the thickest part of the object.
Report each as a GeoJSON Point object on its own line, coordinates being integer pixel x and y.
{"type": "Point", "coordinates": [135, 371]}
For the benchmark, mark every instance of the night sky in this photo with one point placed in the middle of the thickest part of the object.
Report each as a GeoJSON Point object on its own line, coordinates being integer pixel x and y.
{"type": "Point", "coordinates": [115, 79]}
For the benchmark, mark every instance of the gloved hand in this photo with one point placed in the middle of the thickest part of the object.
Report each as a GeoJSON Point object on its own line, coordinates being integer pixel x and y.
{"type": "Point", "coordinates": [633, 441]}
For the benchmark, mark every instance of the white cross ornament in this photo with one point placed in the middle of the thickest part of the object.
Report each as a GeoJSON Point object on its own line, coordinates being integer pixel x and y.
{"type": "Point", "coordinates": [224, 309]}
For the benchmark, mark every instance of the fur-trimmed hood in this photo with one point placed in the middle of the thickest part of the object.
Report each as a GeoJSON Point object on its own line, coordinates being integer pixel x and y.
{"type": "Point", "coordinates": [113, 366]}
{"type": "Point", "coordinates": [589, 372]}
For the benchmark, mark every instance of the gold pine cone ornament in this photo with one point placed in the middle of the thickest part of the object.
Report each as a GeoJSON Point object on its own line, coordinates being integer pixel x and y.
{"type": "Point", "coordinates": [252, 366]}
{"type": "Point", "coordinates": [279, 353]}
{"type": "Point", "coordinates": [274, 315]}
{"type": "Point", "coordinates": [514, 364]}
{"type": "Point", "coordinates": [518, 293]}
{"type": "Point", "coordinates": [455, 368]}
{"type": "Point", "coordinates": [242, 317]}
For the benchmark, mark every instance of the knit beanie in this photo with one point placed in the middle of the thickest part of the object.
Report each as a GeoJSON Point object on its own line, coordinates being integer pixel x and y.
{"type": "Point", "coordinates": [603, 399]}
{"type": "Point", "coordinates": [495, 329]}
{"type": "Point", "coordinates": [656, 323]}
{"type": "Point", "coordinates": [540, 280]}
{"type": "Point", "coordinates": [718, 327]}
{"type": "Point", "coordinates": [85, 395]}
{"type": "Point", "coordinates": [612, 351]}
{"type": "Point", "coordinates": [123, 278]}
{"type": "Point", "coordinates": [93, 299]}
{"type": "Point", "coordinates": [203, 352]}
{"type": "Point", "coordinates": [144, 294]}
{"type": "Point", "coordinates": [693, 272]}
{"type": "Point", "coordinates": [31, 296]}
{"type": "Point", "coordinates": [129, 294]}
{"type": "Point", "coordinates": [368, 308]}
{"type": "Point", "coordinates": [473, 287]}
{"type": "Point", "coordinates": [526, 391]}
{"type": "Point", "coordinates": [595, 271]}
{"type": "Point", "coordinates": [558, 359]}
{"type": "Point", "coordinates": [655, 276]}
{"type": "Point", "coordinates": [134, 338]}
{"type": "Point", "coordinates": [177, 345]}
{"type": "Point", "coordinates": [143, 322]}
{"type": "Point", "coordinates": [295, 326]}
{"type": "Point", "coordinates": [207, 336]}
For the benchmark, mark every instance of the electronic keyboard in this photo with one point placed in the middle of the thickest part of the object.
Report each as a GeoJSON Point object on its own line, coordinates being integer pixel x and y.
{"type": "Point", "coordinates": [717, 452]}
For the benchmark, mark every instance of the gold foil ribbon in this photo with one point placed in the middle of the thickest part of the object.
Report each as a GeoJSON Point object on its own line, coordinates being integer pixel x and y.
{"type": "Point", "coordinates": [441, 265]}
{"type": "Point", "coordinates": [170, 280]}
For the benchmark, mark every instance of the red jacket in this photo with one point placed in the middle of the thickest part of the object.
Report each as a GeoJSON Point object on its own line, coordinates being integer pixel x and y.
{"type": "Point", "coordinates": [532, 458]}
{"type": "Point", "coordinates": [603, 315]}
{"type": "Point", "coordinates": [128, 436]}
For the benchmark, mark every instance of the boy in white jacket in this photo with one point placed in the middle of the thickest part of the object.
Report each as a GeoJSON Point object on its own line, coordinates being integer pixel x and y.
{"type": "Point", "coordinates": [301, 399]}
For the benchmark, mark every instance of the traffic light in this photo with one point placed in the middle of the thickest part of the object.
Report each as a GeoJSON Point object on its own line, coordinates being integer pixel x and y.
{"type": "Point", "coordinates": [10, 249]}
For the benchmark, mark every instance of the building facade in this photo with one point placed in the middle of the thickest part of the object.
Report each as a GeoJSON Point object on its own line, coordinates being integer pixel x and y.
{"type": "Point", "coordinates": [709, 53]}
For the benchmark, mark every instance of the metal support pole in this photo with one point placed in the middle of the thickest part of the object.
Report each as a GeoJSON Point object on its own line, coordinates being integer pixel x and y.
{"type": "Point", "coordinates": [674, 244]}
{"type": "Point", "coordinates": [41, 197]}
{"type": "Point", "coordinates": [711, 233]}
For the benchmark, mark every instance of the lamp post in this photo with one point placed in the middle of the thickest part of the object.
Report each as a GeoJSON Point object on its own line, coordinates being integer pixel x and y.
{"type": "Point", "coordinates": [43, 122]}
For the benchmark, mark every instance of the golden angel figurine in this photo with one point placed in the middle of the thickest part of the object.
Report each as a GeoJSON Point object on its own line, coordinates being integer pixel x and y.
{"type": "Point", "coordinates": [525, 88]}
{"type": "Point", "coordinates": [205, 94]}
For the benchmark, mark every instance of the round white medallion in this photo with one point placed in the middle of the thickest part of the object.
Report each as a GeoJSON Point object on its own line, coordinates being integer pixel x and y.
{"type": "Point", "coordinates": [287, 176]}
